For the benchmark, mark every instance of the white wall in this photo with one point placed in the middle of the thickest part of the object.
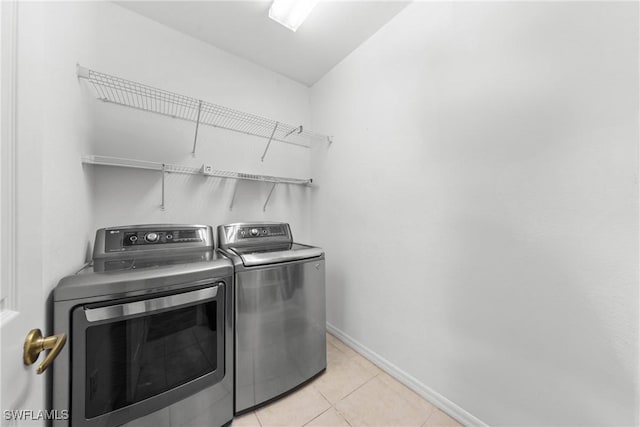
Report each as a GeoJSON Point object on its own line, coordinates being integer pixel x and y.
{"type": "Point", "coordinates": [136, 48]}
{"type": "Point", "coordinates": [142, 50]}
{"type": "Point", "coordinates": [64, 114]}
{"type": "Point", "coordinates": [54, 122]}
{"type": "Point", "coordinates": [53, 198]}
{"type": "Point", "coordinates": [500, 139]}
{"type": "Point", "coordinates": [66, 36]}
{"type": "Point", "coordinates": [108, 38]}
{"type": "Point", "coordinates": [60, 120]}
{"type": "Point", "coordinates": [479, 206]}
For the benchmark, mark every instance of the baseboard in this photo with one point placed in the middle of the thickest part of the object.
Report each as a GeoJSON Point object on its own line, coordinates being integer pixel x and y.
{"type": "Point", "coordinates": [431, 395]}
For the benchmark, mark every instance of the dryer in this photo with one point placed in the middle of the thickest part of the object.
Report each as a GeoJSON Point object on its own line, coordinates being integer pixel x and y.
{"type": "Point", "coordinates": [150, 327]}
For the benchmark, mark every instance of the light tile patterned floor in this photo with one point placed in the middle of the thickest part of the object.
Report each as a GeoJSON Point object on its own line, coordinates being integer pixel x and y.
{"type": "Point", "coordinates": [352, 392]}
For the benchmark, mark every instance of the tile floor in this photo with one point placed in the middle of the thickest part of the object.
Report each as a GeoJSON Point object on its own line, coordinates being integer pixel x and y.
{"type": "Point", "coordinates": [351, 392]}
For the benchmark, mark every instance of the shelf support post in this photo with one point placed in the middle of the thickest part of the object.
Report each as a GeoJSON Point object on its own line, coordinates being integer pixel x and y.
{"type": "Point", "coordinates": [269, 143]}
{"type": "Point", "coordinates": [264, 208]}
{"type": "Point", "coordinates": [233, 197]}
{"type": "Point", "coordinates": [164, 168]}
{"type": "Point", "coordinates": [195, 138]}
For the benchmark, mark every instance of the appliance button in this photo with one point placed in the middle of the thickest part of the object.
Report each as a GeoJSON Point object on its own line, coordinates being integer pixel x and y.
{"type": "Point", "coordinates": [169, 236]}
{"type": "Point", "coordinates": [133, 238]}
{"type": "Point", "coordinates": [254, 232]}
{"type": "Point", "coordinates": [151, 237]}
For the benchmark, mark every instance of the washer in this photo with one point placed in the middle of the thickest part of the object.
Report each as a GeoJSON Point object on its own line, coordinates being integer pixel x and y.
{"type": "Point", "coordinates": [279, 309]}
{"type": "Point", "coordinates": [150, 331]}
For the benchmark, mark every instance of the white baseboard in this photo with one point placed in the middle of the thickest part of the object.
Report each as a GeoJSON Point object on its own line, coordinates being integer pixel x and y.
{"type": "Point", "coordinates": [431, 395]}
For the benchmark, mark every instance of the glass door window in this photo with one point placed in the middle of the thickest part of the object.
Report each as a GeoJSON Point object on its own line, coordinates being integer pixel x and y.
{"type": "Point", "coordinates": [130, 359]}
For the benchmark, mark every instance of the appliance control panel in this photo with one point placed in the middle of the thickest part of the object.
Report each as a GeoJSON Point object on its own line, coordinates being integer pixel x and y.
{"type": "Point", "coordinates": [253, 233]}
{"type": "Point", "coordinates": [258, 231]}
{"type": "Point", "coordinates": [151, 237]}
{"type": "Point", "coordinates": [131, 238]}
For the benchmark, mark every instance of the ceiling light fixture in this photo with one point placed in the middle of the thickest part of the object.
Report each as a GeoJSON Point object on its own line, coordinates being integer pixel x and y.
{"type": "Point", "coordinates": [291, 13]}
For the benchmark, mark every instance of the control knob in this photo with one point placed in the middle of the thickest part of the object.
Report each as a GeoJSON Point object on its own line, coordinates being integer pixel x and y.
{"type": "Point", "coordinates": [151, 237]}
{"type": "Point", "coordinates": [254, 232]}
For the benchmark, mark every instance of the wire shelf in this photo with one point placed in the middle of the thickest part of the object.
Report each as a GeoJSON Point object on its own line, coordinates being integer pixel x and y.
{"type": "Point", "coordinates": [147, 98]}
{"type": "Point", "coordinates": [205, 171]}
{"type": "Point", "coordinates": [189, 170]}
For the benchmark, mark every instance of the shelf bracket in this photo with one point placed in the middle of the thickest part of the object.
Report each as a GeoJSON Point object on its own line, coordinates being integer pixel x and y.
{"type": "Point", "coordinates": [297, 130]}
{"type": "Point", "coordinates": [233, 197]}
{"type": "Point", "coordinates": [195, 138]}
{"type": "Point", "coordinates": [82, 72]}
{"type": "Point", "coordinates": [164, 168]}
{"type": "Point", "coordinates": [269, 143]}
{"type": "Point", "coordinates": [264, 208]}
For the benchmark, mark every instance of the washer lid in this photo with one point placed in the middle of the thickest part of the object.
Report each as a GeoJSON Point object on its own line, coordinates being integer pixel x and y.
{"type": "Point", "coordinates": [273, 254]}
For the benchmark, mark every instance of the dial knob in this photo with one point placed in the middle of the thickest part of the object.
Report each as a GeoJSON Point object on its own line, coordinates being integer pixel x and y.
{"type": "Point", "coordinates": [151, 237]}
{"type": "Point", "coordinates": [254, 232]}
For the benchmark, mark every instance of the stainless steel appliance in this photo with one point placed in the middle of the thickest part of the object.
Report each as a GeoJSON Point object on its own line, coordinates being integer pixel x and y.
{"type": "Point", "coordinates": [150, 323]}
{"type": "Point", "coordinates": [279, 310]}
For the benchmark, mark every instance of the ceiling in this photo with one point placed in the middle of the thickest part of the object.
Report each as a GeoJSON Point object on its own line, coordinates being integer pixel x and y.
{"type": "Point", "coordinates": [332, 31]}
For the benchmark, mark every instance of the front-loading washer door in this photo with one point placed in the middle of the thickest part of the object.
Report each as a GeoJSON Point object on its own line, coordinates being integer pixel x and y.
{"type": "Point", "coordinates": [133, 356]}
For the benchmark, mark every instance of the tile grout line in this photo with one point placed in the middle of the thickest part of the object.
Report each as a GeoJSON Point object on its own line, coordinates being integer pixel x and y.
{"type": "Point", "coordinates": [443, 405]}
{"type": "Point", "coordinates": [321, 394]}
{"type": "Point", "coordinates": [373, 375]}
{"type": "Point", "coordinates": [361, 385]}
{"type": "Point", "coordinates": [435, 408]}
{"type": "Point", "coordinates": [341, 351]}
{"type": "Point", "coordinates": [333, 406]}
{"type": "Point", "coordinates": [258, 418]}
{"type": "Point", "coordinates": [344, 417]}
{"type": "Point", "coordinates": [356, 389]}
{"type": "Point", "coordinates": [319, 415]}
{"type": "Point", "coordinates": [355, 353]}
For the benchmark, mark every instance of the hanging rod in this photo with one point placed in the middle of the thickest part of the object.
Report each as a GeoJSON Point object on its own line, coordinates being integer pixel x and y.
{"type": "Point", "coordinates": [147, 98]}
{"type": "Point", "coordinates": [189, 170]}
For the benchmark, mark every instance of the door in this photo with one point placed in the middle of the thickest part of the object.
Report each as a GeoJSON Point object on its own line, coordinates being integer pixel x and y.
{"type": "Point", "coordinates": [134, 356]}
{"type": "Point", "coordinates": [21, 290]}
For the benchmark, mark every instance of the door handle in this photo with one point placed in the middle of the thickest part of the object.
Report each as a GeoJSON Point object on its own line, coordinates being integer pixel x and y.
{"type": "Point", "coordinates": [34, 344]}
{"type": "Point", "coordinates": [149, 305]}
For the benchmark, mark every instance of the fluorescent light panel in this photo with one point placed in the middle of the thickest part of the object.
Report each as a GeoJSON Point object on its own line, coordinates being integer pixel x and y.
{"type": "Point", "coordinates": [291, 13]}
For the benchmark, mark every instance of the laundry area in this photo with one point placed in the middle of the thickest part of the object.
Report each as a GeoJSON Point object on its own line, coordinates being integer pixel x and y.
{"type": "Point", "coordinates": [319, 213]}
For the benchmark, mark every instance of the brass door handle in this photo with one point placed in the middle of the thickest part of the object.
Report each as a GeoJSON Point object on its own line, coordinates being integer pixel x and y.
{"type": "Point", "coordinates": [34, 344]}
